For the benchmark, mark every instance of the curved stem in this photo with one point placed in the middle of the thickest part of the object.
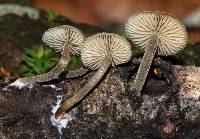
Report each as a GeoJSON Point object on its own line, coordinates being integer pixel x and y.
{"type": "Point", "coordinates": [145, 64]}
{"type": "Point", "coordinates": [54, 73]}
{"type": "Point", "coordinates": [76, 73]}
{"type": "Point", "coordinates": [85, 90]}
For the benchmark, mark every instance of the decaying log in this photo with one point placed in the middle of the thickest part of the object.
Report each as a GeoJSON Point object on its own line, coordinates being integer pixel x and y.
{"type": "Point", "coordinates": [168, 107]}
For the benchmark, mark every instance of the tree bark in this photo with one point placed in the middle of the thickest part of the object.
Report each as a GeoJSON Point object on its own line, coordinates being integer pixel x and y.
{"type": "Point", "coordinates": [168, 107]}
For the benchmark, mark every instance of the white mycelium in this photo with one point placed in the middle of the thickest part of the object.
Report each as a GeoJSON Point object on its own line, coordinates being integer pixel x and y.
{"type": "Point", "coordinates": [59, 122]}
{"type": "Point", "coordinates": [18, 84]}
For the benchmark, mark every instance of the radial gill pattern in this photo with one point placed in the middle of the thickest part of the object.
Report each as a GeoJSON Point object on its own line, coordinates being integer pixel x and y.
{"type": "Point", "coordinates": [172, 35]}
{"type": "Point", "coordinates": [57, 37]}
{"type": "Point", "coordinates": [97, 47]}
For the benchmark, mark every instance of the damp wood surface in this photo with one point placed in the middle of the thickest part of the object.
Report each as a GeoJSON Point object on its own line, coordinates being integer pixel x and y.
{"type": "Point", "coordinates": [168, 106]}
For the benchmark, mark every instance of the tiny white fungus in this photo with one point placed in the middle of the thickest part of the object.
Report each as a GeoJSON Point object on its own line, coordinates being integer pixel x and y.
{"type": "Point", "coordinates": [18, 84]}
{"type": "Point", "coordinates": [59, 122]}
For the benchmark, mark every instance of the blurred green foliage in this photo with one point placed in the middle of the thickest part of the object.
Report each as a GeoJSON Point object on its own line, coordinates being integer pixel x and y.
{"type": "Point", "coordinates": [37, 62]}
{"type": "Point", "coordinates": [53, 17]}
{"type": "Point", "coordinates": [190, 42]}
{"type": "Point", "coordinates": [21, 2]}
{"type": "Point", "coordinates": [124, 35]}
{"type": "Point", "coordinates": [189, 56]}
{"type": "Point", "coordinates": [74, 60]}
{"type": "Point", "coordinates": [137, 51]}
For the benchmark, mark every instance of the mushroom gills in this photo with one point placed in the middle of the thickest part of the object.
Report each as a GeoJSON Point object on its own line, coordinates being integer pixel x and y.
{"type": "Point", "coordinates": [67, 104]}
{"type": "Point", "coordinates": [52, 74]}
{"type": "Point", "coordinates": [99, 51]}
{"type": "Point", "coordinates": [144, 67]}
{"type": "Point", "coordinates": [157, 32]}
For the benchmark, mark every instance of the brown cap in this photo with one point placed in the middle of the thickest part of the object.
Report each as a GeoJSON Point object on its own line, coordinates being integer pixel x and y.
{"type": "Point", "coordinates": [172, 35]}
{"type": "Point", "coordinates": [96, 48]}
{"type": "Point", "coordinates": [57, 37]}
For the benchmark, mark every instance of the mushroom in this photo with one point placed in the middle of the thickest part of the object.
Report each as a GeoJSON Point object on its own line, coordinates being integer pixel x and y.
{"type": "Point", "coordinates": [98, 52]}
{"type": "Point", "coordinates": [155, 32]}
{"type": "Point", "coordinates": [65, 39]}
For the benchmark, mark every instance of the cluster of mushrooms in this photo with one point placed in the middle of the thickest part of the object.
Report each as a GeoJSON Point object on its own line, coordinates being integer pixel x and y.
{"type": "Point", "coordinates": [156, 32]}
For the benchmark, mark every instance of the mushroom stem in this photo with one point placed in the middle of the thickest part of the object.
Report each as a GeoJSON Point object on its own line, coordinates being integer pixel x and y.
{"type": "Point", "coordinates": [76, 73]}
{"type": "Point", "coordinates": [67, 104]}
{"type": "Point", "coordinates": [150, 51]}
{"type": "Point", "coordinates": [54, 73]}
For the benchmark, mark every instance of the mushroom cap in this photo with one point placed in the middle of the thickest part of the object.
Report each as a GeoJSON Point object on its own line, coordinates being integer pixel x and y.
{"type": "Point", "coordinates": [60, 36]}
{"type": "Point", "coordinates": [96, 48]}
{"type": "Point", "coordinates": [172, 35]}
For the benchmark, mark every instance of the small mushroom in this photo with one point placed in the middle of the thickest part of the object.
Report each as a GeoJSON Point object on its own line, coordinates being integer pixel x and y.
{"type": "Point", "coordinates": [65, 39]}
{"type": "Point", "coordinates": [98, 52]}
{"type": "Point", "coordinates": [155, 32]}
